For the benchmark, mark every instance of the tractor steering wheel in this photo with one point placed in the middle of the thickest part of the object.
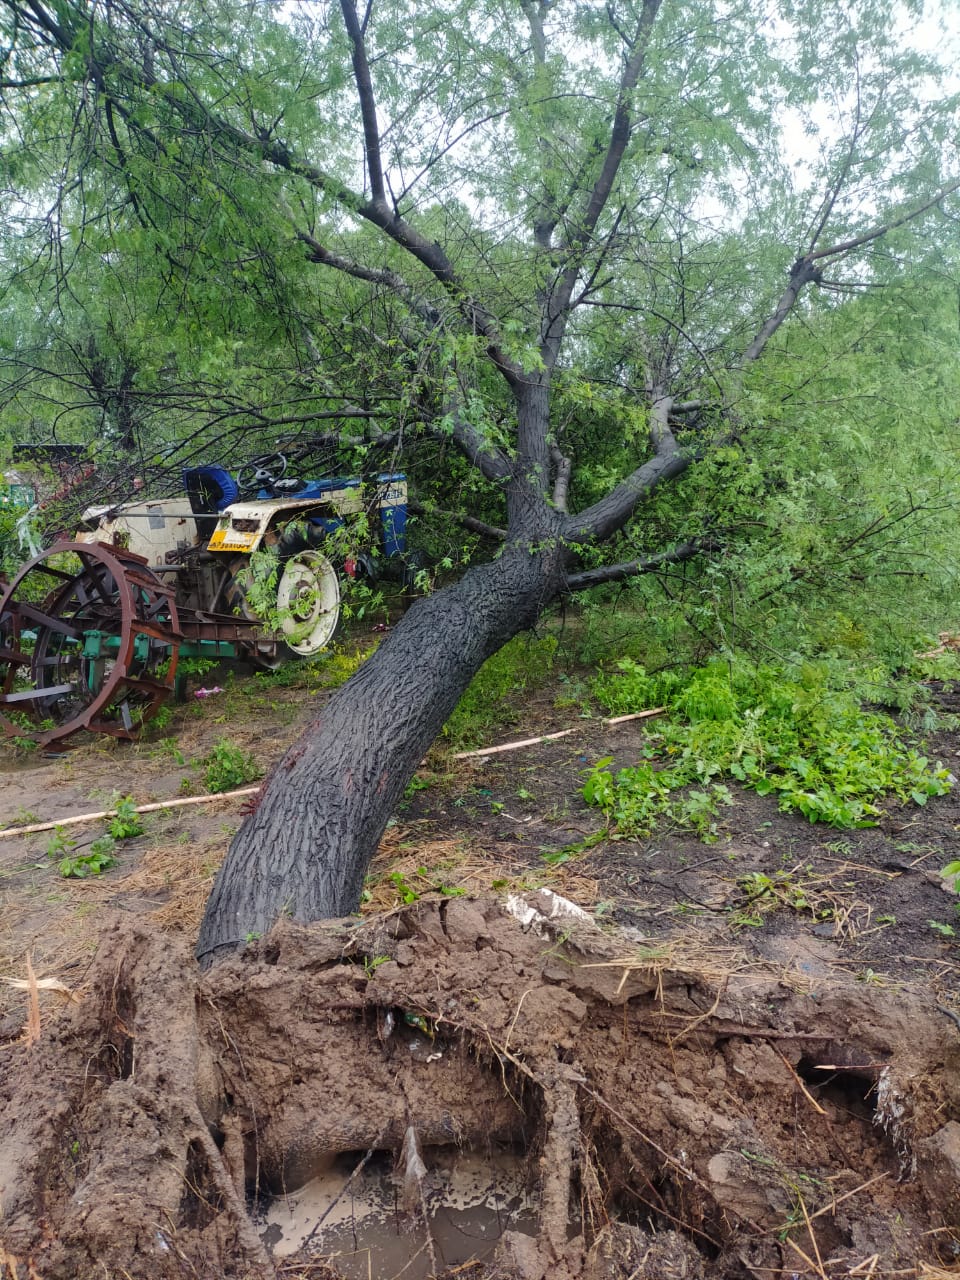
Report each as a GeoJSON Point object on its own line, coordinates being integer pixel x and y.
{"type": "Point", "coordinates": [262, 472]}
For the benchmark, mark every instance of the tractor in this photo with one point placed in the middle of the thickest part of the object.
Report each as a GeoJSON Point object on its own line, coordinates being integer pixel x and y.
{"type": "Point", "coordinates": [243, 566]}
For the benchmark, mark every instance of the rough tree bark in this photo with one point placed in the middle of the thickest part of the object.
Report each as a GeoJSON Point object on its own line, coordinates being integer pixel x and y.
{"type": "Point", "coordinates": [333, 793]}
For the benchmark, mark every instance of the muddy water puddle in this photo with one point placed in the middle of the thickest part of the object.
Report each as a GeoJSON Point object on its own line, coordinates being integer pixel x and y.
{"type": "Point", "coordinates": [367, 1230]}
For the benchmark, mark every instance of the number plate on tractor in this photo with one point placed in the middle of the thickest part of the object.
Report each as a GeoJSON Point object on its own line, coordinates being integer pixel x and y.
{"type": "Point", "coordinates": [227, 539]}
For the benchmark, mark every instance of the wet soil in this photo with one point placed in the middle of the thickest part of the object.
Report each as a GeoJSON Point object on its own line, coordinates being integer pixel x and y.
{"type": "Point", "coordinates": [694, 1079]}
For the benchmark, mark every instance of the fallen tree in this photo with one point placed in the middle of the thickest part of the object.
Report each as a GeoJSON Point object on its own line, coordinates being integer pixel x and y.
{"type": "Point", "coordinates": [528, 230]}
{"type": "Point", "coordinates": [573, 255]}
{"type": "Point", "coordinates": [581, 264]}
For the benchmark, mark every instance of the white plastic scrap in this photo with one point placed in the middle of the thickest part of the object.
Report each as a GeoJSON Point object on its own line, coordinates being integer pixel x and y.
{"type": "Point", "coordinates": [553, 910]}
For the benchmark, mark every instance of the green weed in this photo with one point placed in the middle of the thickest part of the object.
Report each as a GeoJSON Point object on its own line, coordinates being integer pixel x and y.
{"type": "Point", "coordinates": [422, 881]}
{"type": "Point", "coordinates": [802, 739]}
{"type": "Point", "coordinates": [945, 930]}
{"type": "Point", "coordinates": [405, 890]}
{"type": "Point", "coordinates": [161, 720]}
{"type": "Point", "coordinates": [60, 844]}
{"type": "Point", "coordinates": [169, 746]}
{"type": "Point", "coordinates": [100, 858]}
{"type": "Point", "coordinates": [950, 872]}
{"type": "Point", "coordinates": [417, 783]}
{"type": "Point", "coordinates": [126, 822]}
{"type": "Point", "coordinates": [228, 767]}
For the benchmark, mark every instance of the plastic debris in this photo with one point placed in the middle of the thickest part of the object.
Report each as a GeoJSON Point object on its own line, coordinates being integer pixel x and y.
{"type": "Point", "coordinates": [413, 1169]}
{"type": "Point", "coordinates": [543, 909]}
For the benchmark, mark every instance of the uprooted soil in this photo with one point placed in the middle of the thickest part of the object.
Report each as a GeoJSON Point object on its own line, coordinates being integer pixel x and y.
{"type": "Point", "coordinates": [678, 1118]}
{"type": "Point", "coordinates": [695, 1081]}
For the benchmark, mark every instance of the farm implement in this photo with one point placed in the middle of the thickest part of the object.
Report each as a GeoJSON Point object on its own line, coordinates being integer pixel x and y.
{"type": "Point", "coordinates": [245, 567]}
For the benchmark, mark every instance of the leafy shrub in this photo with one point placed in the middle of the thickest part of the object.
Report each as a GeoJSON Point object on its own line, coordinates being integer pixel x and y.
{"type": "Point", "coordinates": [809, 742]}
{"type": "Point", "coordinates": [629, 689]}
{"type": "Point", "coordinates": [228, 767]}
{"type": "Point", "coordinates": [126, 823]}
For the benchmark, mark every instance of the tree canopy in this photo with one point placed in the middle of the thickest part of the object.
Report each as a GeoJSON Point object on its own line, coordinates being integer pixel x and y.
{"type": "Point", "coordinates": [259, 216]}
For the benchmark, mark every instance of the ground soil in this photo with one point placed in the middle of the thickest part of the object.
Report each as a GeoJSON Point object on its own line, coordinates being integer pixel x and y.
{"type": "Point", "coordinates": [701, 1082]}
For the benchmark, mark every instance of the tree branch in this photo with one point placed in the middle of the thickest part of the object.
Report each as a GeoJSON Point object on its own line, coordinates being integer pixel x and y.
{"type": "Point", "coordinates": [365, 94]}
{"type": "Point", "coordinates": [489, 461]}
{"type": "Point", "coordinates": [801, 273]}
{"type": "Point", "coordinates": [391, 280]}
{"type": "Point", "coordinates": [553, 324]}
{"type": "Point", "coordinates": [613, 510]}
{"type": "Point", "coordinates": [804, 271]}
{"type": "Point", "coordinates": [875, 233]}
{"type": "Point", "coordinates": [631, 568]}
{"type": "Point", "coordinates": [467, 522]}
{"type": "Point", "coordinates": [261, 145]}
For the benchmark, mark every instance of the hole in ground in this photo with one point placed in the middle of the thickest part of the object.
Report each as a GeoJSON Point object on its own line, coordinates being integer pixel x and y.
{"type": "Point", "coordinates": [360, 1221]}
{"type": "Point", "coordinates": [644, 1194]}
{"type": "Point", "coordinates": [852, 1091]}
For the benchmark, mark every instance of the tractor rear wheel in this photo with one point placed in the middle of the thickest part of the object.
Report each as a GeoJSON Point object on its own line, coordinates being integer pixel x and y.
{"type": "Point", "coordinates": [308, 602]}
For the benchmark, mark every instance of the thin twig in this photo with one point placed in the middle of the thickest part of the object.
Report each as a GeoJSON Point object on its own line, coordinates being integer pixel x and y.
{"type": "Point", "coordinates": [829, 1208]}
{"type": "Point", "coordinates": [813, 1238]}
{"type": "Point", "coordinates": [808, 1260]}
{"type": "Point", "coordinates": [866, 1268]}
{"type": "Point", "coordinates": [800, 1085]}
{"type": "Point", "coordinates": [364, 1161]}
{"type": "Point", "coordinates": [671, 1160]}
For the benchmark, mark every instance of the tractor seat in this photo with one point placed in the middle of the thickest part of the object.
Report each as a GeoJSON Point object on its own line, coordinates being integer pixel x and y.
{"type": "Point", "coordinates": [209, 490]}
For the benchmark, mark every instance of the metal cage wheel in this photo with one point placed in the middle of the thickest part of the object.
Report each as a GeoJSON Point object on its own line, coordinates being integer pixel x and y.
{"type": "Point", "coordinates": [88, 641]}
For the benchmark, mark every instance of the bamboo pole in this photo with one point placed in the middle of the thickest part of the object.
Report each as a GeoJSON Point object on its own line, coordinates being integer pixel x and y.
{"type": "Point", "coordinates": [549, 737]}
{"type": "Point", "coordinates": [180, 802]}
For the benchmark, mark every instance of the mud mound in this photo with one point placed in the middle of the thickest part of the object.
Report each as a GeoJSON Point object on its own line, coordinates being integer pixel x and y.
{"type": "Point", "coordinates": [661, 1114]}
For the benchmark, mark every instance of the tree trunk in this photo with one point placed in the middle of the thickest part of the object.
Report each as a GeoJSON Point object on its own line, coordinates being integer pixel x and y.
{"type": "Point", "coordinates": [305, 851]}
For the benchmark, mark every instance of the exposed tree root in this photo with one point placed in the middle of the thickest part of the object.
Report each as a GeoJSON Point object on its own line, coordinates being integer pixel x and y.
{"type": "Point", "coordinates": [675, 1121]}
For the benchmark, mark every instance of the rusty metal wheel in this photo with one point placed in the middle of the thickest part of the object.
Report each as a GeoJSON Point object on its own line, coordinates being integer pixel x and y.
{"type": "Point", "coordinates": [88, 642]}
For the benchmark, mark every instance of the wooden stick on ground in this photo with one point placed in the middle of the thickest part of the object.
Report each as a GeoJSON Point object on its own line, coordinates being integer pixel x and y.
{"type": "Point", "coordinates": [634, 715]}
{"type": "Point", "coordinates": [549, 737]}
{"type": "Point", "coordinates": [111, 813]}
{"type": "Point", "coordinates": [512, 746]}
{"type": "Point", "coordinates": [249, 791]}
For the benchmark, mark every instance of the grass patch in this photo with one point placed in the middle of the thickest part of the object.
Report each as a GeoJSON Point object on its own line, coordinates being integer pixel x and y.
{"type": "Point", "coordinates": [489, 703]}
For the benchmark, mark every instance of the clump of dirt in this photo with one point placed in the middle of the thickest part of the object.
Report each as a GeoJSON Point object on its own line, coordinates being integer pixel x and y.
{"type": "Point", "coordinates": [677, 1113]}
